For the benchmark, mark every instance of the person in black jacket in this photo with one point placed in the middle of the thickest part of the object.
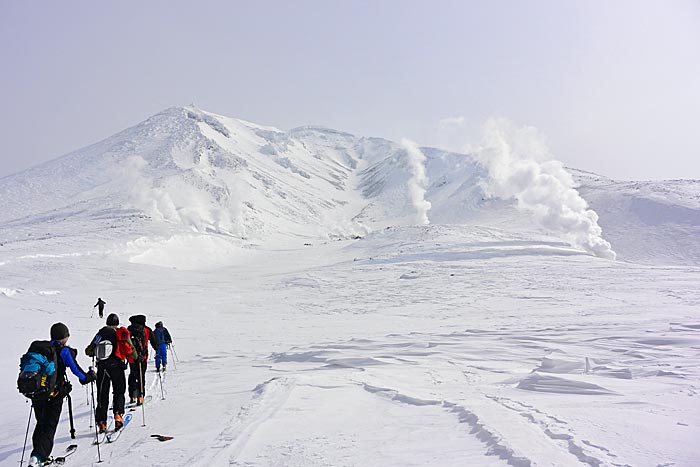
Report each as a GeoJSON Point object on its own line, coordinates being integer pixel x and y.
{"type": "Point", "coordinates": [100, 306]}
{"type": "Point", "coordinates": [141, 336]}
{"type": "Point", "coordinates": [109, 370]}
{"type": "Point", "coordinates": [48, 412]}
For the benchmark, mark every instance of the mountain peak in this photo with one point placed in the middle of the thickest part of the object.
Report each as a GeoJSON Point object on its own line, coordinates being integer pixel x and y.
{"type": "Point", "coordinates": [187, 168]}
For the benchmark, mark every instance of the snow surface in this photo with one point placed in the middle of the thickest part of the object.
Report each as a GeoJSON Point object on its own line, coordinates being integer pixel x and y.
{"type": "Point", "coordinates": [317, 325]}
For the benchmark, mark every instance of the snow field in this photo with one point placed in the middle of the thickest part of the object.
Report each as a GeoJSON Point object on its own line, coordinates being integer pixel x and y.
{"type": "Point", "coordinates": [420, 346]}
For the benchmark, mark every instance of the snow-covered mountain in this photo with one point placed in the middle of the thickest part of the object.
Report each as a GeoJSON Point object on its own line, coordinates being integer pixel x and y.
{"type": "Point", "coordinates": [197, 171]}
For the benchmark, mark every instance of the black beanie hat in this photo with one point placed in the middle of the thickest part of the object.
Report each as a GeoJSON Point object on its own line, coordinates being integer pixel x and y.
{"type": "Point", "coordinates": [112, 320]}
{"type": "Point", "coordinates": [59, 331]}
{"type": "Point", "coordinates": [138, 319]}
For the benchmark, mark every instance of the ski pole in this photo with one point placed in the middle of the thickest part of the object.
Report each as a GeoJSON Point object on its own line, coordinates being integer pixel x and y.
{"type": "Point", "coordinates": [94, 414]}
{"type": "Point", "coordinates": [143, 399]}
{"type": "Point", "coordinates": [70, 417]}
{"type": "Point", "coordinates": [87, 397]}
{"type": "Point", "coordinates": [162, 394]}
{"type": "Point", "coordinates": [26, 435]}
{"type": "Point", "coordinates": [174, 353]}
{"type": "Point", "coordinates": [93, 312]}
{"type": "Point", "coordinates": [92, 406]}
{"type": "Point", "coordinates": [172, 359]}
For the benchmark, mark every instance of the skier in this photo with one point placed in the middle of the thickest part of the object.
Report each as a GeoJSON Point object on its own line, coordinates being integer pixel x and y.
{"type": "Point", "coordinates": [163, 339]}
{"type": "Point", "coordinates": [48, 412]}
{"type": "Point", "coordinates": [141, 336]}
{"type": "Point", "coordinates": [111, 346]}
{"type": "Point", "coordinates": [101, 304]}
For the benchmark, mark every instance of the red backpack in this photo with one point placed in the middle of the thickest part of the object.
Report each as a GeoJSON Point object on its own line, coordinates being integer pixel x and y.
{"type": "Point", "coordinates": [123, 350]}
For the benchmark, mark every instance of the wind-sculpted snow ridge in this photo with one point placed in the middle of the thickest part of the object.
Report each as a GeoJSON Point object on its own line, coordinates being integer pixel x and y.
{"type": "Point", "coordinates": [192, 170]}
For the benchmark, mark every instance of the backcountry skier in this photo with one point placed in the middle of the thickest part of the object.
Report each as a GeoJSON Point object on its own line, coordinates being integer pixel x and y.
{"type": "Point", "coordinates": [141, 336]}
{"type": "Point", "coordinates": [111, 346]}
{"type": "Point", "coordinates": [48, 411]}
{"type": "Point", "coordinates": [100, 306]}
{"type": "Point", "coordinates": [163, 339]}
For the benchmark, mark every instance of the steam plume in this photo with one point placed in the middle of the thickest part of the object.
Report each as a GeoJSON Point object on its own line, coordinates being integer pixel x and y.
{"type": "Point", "coordinates": [418, 183]}
{"type": "Point", "coordinates": [520, 166]}
{"type": "Point", "coordinates": [177, 201]}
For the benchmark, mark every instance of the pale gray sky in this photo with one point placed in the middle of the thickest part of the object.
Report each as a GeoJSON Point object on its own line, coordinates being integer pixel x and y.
{"type": "Point", "coordinates": [614, 86]}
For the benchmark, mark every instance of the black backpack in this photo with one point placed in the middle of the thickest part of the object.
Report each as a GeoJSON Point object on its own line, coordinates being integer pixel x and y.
{"type": "Point", "coordinates": [38, 371]}
{"type": "Point", "coordinates": [138, 338]}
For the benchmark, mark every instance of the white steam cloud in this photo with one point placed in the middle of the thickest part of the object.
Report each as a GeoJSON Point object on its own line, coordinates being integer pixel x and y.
{"type": "Point", "coordinates": [418, 183]}
{"type": "Point", "coordinates": [520, 167]}
{"type": "Point", "coordinates": [175, 200]}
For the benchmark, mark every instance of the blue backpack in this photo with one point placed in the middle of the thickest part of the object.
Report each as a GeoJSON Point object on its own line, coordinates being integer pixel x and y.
{"type": "Point", "coordinates": [159, 332]}
{"type": "Point", "coordinates": [38, 371]}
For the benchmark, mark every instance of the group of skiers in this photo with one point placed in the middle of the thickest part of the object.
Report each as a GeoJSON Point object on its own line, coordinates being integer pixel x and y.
{"type": "Point", "coordinates": [117, 348]}
{"type": "Point", "coordinates": [114, 349]}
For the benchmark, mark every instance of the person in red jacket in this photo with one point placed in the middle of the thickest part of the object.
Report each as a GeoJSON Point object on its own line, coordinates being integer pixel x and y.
{"type": "Point", "coordinates": [141, 336]}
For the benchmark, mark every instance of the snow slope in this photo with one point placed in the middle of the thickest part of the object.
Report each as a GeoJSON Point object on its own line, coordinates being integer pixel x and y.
{"type": "Point", "coordinates": [317, 324]}
{"type": "Point", "coordinates": [201, 172]}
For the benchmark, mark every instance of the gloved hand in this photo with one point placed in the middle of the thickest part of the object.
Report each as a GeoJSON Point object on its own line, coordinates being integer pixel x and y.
{"type": "Point", "coordinates": [90, 376]}
{"type": "Point", "coordinates": [65, 389]}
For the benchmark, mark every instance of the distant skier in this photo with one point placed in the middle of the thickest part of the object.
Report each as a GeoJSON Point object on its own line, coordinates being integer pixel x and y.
{"type": "Point", "coordinates": [48, 411]}
{"type": "Point", "coordinates": [101, 306]}
{"type": "Point", "coordinates": [163, 339]}
{"type": "Point", "coordinates": [111, 346]}
{"type": "Point", "coordinates": [141, 336]}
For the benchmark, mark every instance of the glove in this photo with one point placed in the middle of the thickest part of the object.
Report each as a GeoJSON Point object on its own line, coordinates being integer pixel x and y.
{"type": "Point", "coordinates": [90, 376]}
{"type": "Point", "coordinates": [64, 389]}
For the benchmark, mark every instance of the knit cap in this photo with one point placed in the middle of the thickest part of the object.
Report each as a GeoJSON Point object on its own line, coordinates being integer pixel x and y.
{"type": "Point", "coordinates": [59, 331]}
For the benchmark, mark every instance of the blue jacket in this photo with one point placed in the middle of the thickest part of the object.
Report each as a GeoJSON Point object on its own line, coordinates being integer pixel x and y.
{"type": "Point", "coordinates": [69, 361]}
{"type": "Point", "coordinates": [162, 335]}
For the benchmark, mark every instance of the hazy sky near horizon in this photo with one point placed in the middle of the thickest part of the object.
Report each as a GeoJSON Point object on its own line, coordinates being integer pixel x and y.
{"type": "Point", "coordinates": [614, 87]}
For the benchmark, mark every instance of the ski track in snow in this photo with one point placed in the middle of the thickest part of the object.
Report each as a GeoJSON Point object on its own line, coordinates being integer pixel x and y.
{"type": "Point", "coordinates": [267, 398]}
{"type": "Point", "coordinates": [489, 361]}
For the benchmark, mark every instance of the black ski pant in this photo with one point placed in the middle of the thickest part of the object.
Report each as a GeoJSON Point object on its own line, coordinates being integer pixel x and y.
{"type": "Point", "coordinates": [113, 374]}
{"type": "Point", "coordinates": [47, 414]}
{"type": "Point", "coordinates": [101, 309]}
{"type": "Point", "coordinates": [137, 379]}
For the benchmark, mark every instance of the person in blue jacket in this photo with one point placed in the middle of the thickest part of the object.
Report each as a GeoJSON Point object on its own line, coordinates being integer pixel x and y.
{"type": "Point", "coordinates": [47, 412]}
{"type": "Point", "coordinates": [163, 338]}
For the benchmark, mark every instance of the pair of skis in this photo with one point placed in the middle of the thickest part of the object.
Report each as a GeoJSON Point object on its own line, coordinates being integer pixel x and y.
{"type": "Point", "coordinates": [102, 437]}
{"type": "Point", "coordinates": [60, 460]}
{"type": "Point", "coordinates": [131, 406]}
{"type": "Point", "coordinates": [110, 435]}
{"type": "Point", "coordinates": [114, 435]}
